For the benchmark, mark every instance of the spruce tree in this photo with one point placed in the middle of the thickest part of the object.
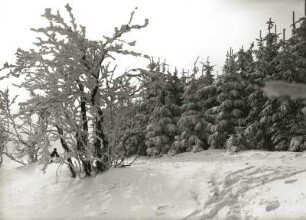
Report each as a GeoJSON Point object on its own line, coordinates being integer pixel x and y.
{"type": "Point", "coordinates": [162, 125]}
{"type": "Point", "coordinates": [258, 122]}
{"type": "Point", "coordinates": [291, 68]}
{"type": "Point", "coordinates": [245, 67]}
{"type": "Point", "coordinates": [231, 109]}
{"type": "Point", "coordinates": [191, 123]}
{"type": "Point", "coordinates": [294, 53]}
{"type": "Point", "coordinates": [298, 46]}
{"type": "Point", "coordinates": [207, 99]}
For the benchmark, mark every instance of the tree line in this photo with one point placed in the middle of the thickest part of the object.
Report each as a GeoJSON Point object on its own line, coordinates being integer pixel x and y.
{"type": "Point", "coordinates": [100, 117]}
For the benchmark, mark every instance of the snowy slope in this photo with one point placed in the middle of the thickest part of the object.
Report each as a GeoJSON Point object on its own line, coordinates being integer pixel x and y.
{"type": "Point", "coordinates": [207, 185]}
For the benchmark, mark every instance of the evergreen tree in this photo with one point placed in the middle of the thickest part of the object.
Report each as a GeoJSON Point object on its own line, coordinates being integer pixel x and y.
{"type": "Point", "coordinates": [245, 67]}
{"type": "Point", "coordinates": [152, 90]}
{"type": "Point", "coordinates": [291, 68]}
{"type": "Point", "coordinates": [298, 47]}
{"type": "Point", "coordinates": [207, 99]}
{"type": "Point", "coordinates": [162, 124]}
{"type": "Point", "coordinates": [257, 120]}
{"type": "Point", "coordinates": [231, 109]}
{"type": "Point", "coordinates": [191, 123]}
{"type": "Point", "coordinates": [285, 63]}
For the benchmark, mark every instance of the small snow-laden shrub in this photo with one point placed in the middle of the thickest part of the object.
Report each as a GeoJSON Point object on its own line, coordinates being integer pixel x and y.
{"type": "Point", "coordinates": [230, 142]}
{"type": "Point", "coordinates": [193, 140]}
{"type": "Point", "coordinates": [232, 145]}
{"type": "Point", "coordinates": [184, 145]}
{"type": "Point", "coordinates": [175, 148]}
{"type": "Point", "coordinates": [297, 144]}
{"type": "Point", "coordinates": [196, 148]}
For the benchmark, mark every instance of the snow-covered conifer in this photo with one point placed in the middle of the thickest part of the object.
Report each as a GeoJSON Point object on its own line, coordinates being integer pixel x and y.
{"type": "Point", "coordinates": [230, 112]}
{"type": "Point", "coordinates": [256, 130]}
{"type": "Point", "coordinates": [162, 124]}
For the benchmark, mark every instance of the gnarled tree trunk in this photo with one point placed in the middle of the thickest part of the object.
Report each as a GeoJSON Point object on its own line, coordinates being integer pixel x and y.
{"type": "Point", "coordinates": [67, 150]}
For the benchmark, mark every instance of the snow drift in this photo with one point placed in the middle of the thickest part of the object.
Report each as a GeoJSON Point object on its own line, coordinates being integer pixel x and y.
{"type": "Point", "coordinates": [205, 185]}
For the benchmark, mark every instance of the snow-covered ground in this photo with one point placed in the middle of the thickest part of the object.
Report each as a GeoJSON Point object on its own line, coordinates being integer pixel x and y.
{"type": "Point", "coordinates": [205, 185]}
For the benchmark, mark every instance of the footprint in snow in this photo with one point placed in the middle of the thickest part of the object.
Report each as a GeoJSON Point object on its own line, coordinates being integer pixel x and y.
{"type": "Point", "coordinates": [162, 207]}
{"type": "Point", "coordinates": [290, 181]}
{"type": "Point", "coordinates": [272, 205]}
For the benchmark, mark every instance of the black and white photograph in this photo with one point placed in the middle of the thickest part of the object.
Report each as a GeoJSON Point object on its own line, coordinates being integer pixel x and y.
{"type": "Point", "coordinates": [153, 110]}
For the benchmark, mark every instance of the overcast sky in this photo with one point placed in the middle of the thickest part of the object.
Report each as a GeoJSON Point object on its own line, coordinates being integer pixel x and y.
{"type": "Point", "coordinates": [179, 30]}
